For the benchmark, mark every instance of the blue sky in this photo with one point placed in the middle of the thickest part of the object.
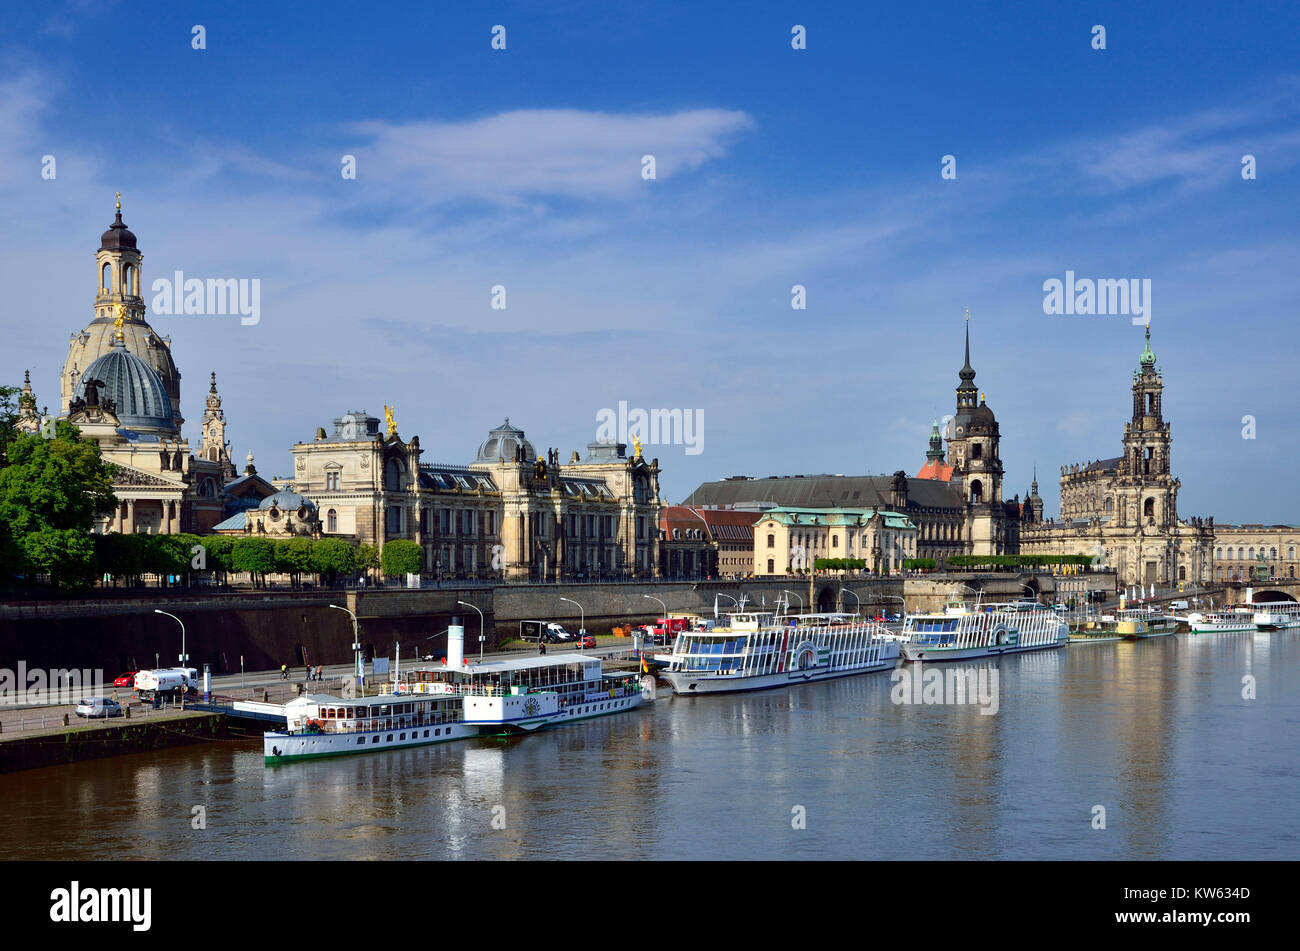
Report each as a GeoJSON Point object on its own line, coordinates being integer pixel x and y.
{"type": "Point", "coordinates": [775, 167]}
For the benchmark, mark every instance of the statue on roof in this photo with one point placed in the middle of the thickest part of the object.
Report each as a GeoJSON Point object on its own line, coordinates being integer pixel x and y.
{"type": "Point", "coordinates": [392, 423]}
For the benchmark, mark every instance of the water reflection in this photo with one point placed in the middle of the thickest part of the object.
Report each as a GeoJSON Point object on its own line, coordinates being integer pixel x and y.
{"type": "Point", "coordinates": [1156, 731]}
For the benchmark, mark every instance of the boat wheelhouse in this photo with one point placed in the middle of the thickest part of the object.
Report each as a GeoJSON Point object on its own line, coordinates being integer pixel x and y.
{"type": "Point", "coordinates": [1137, 623]}
{"type": "Point", "coordinates": [758, 649]}
{"type": "Point", "coordinates": [960, 630]}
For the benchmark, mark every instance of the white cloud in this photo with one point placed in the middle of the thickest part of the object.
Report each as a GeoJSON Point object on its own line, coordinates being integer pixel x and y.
{"type": "Point", "coordinates": [542, 152]}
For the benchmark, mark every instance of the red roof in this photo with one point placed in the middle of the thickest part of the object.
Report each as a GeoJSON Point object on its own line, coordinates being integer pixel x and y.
{"type": "Point", "coordinates": [934, 469]}
{"type": "Point", "coordinates": [723, 525]}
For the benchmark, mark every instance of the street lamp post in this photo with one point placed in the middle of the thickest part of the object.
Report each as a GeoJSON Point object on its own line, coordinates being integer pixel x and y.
{"type": "Point", "coordinates": [582, 614]}
{"type": "Point", "coordinates": [857, 600]}
{"type": "Point", "coordinates": [184, 656]}
{"type": "Point", "coordinates": [797, 595]}
{"type": "Point", "coordinates": [356, 643]}
{"type": "Point", "coordinates": [661, 603]}
{"type": "Point", "coordinates": [480, 629]}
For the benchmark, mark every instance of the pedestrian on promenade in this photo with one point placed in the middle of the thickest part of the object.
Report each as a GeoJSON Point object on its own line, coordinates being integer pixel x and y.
{"type": "Point", "coordinates": [284, 671]}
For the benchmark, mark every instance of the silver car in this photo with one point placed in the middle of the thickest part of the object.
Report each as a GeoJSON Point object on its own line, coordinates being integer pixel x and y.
{"type": "Point", "coordinates": [99, 707]}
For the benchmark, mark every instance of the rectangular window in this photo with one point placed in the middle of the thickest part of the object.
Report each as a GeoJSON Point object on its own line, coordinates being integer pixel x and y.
{"type": "Point", "coordinates": [444, 521]}
{"type": "Point", "coordinates": [361, 741]}
{"type": "Point", "coordinates": [491, 523]}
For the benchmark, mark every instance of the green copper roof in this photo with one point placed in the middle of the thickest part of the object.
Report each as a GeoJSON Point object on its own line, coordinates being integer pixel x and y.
{"type": "Point", "coordinates": [1147, 359]}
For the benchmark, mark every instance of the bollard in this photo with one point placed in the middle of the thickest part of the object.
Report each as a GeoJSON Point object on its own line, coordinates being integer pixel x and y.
{"type": "Point", "coordinates": [65, 719]}
{"type": "Point", "coordinates": [126, 712]}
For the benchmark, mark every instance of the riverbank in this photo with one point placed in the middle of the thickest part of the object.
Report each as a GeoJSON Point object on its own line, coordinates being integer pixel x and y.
{"type": "Point", "coordinates": [60, 745]}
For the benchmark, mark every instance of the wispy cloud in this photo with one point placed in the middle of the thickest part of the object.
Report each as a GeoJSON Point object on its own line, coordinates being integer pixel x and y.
{"type": "Point", "coordinates": [542, 153]}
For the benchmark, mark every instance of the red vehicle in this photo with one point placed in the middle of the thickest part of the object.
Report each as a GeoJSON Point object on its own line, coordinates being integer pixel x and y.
{"type": "Point", "coordinates": [126, 680]}
{"type": "Point", "coordinates": [588, 640]}
{"type": "Point", "coordinates": [674, 625]}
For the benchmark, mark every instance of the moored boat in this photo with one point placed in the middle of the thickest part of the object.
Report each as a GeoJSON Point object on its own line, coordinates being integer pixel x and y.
{"type": "Point", "coordinates": [757, 649]}
{"type": "Point", "coordinates": [1221, 622]}
{"type": "Point", "coordinates": [455, 701]}
{"type": "Point", "coordinates": [961, 631]}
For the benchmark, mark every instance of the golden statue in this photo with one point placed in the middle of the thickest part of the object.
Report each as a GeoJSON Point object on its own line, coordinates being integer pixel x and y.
{"type": "Point", "coordinates": [118, 321]}
{"type": "Point", "coordinates": [636, 448]}
{"type": "Point", "coordinates": [392, 423]}
{"type": "Point", "coordinates": [119, 202]}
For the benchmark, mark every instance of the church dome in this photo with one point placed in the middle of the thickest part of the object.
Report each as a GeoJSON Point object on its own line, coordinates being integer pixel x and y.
{"type": "Point", "coordinates": [118, 237]}
{"type": "Point", "coordinates": [136, 389]}
{"type": "Point", "coordinates": [287, 500]}
{"type": "Point", "coordinates": [502, 443]}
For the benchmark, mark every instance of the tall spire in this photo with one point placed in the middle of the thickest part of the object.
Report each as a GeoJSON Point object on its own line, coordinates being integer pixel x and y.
{"type": "Point", "coordinates": [1147, 358]}
{"type": "Point", "coordinates": [967, 391]}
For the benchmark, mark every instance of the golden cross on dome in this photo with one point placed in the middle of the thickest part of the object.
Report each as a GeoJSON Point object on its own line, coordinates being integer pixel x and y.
{"type": "Point", "coordinates": [967, 315]}
{"type": "Point", "coordinates": [119, 201]}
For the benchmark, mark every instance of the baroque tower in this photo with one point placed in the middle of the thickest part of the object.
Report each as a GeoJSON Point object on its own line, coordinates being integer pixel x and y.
{"type": "Point", "coordinates": [213, 445]}
{"type": "Point", "coordinates": [117, 288]}
{"type": "Point", "coordinates": [973, 445]}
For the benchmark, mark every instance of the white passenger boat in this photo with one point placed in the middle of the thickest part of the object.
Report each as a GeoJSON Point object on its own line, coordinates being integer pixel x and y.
{"type": "Point", "coordinates": [960, 630]}
{"type": "Point", "coordinates": [755, 650]}
{"type": "Point", "coordinates": [1221, 622]}
{"type": "Point", "coordinates": [455, 701]}
{"type": "Point", "coordinates": [1277, 615]}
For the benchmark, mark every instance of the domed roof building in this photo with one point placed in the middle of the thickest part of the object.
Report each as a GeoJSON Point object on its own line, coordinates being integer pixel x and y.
{"type": "Point", "coordinates": [118, 292]}
{"type": "Point", "coordinates": [131, 389]}
{"type": "Point", "coordinates": [505, 444]}
{"type": "Point", "coordinates": [121, 389]}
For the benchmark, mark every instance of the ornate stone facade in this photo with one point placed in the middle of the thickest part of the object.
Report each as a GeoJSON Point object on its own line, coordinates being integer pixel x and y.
{"type": "Point", "coordinates": [1124, 510]}
{"type": "Point", "coordinates": [509, 514]}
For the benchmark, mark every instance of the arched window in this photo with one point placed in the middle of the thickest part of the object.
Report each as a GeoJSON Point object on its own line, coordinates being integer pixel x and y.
{"type": "Point", "coordinates": [393, 476]}
{"type": "Point", "coordinates": [1290, 553]}
{"type": "Point", "coordinates": [106, 278]}
{"type": "Point", "coordinates": [1182, 572]}
{"type": "Point", "coordinates": [1149, 508]}
{"type": "Point", "coordinates": [771, 566]}
{"type": "Point", "coordinates": [332, 521]}
{"type": "Point", "coordinates": [128, 280]}
{"type": "Point", "coordinates": [1252, 554]}
{"type": "Point", "coordinates": [977, 451]}
{"type": "Point", "coordinates": [976, 492]}
{"type": "Point", "coordinates": [771, 541]}
{"type": "Point", "coordinates": [1272, 553]}
{"type": "Point", "coordinates": [1218, 554]}
{"type": "Point", "coordinates": [835, 541]}
{"type": "Point", "coordinates": [1241, 554]}
{"type": "Point", "coordinates": [1110, 505]}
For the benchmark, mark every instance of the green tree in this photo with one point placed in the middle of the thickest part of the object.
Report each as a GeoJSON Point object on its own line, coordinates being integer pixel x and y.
{"type": "Point", "coordinates": [367, 558]}
{"type": "Point", "coordinates": [166, 555]}
{"type": "Point", "coordinates": [293, 557]}
{"type": "Point", "coordinates": [121, 556]}
{"type": "Point", "coordinates": [255, 556]}
{"type": "Point", "coordinates": [332, 557]}
{"type": "Point", "coordinates": [51, 484]}
{"type": "Point", "coordinates": [67, 555]}
{"type": "Point", "coordinates": [402, 557]}
{"type": "Point", "coordinates": [217, 551]}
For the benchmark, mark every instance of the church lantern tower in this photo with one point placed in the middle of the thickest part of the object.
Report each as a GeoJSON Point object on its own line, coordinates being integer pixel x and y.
{"type": "Point", "coordinates": [118, 284]}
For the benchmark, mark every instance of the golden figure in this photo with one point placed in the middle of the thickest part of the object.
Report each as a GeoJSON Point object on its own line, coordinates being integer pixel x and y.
{"type": "Point", "coordinates": [118, 321]}
{"type": "Point", "coordinates": [392, 423]}
{"type": "Point", "coordinates": [636, 448]}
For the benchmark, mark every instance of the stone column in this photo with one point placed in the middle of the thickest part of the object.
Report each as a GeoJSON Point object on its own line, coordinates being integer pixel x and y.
{"type": "Point", "coordinates": [129, 527]}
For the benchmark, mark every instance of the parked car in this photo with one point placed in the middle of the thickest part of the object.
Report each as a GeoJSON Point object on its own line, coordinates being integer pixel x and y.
{"type": "Point", "coordinates": [588, 640]}
{"type": "Point", "coordinates": [434, 655]}
{"type": "Point", "coordinates": [99, 707]}
{"type": "Point", "coordinates": [126, 680]}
